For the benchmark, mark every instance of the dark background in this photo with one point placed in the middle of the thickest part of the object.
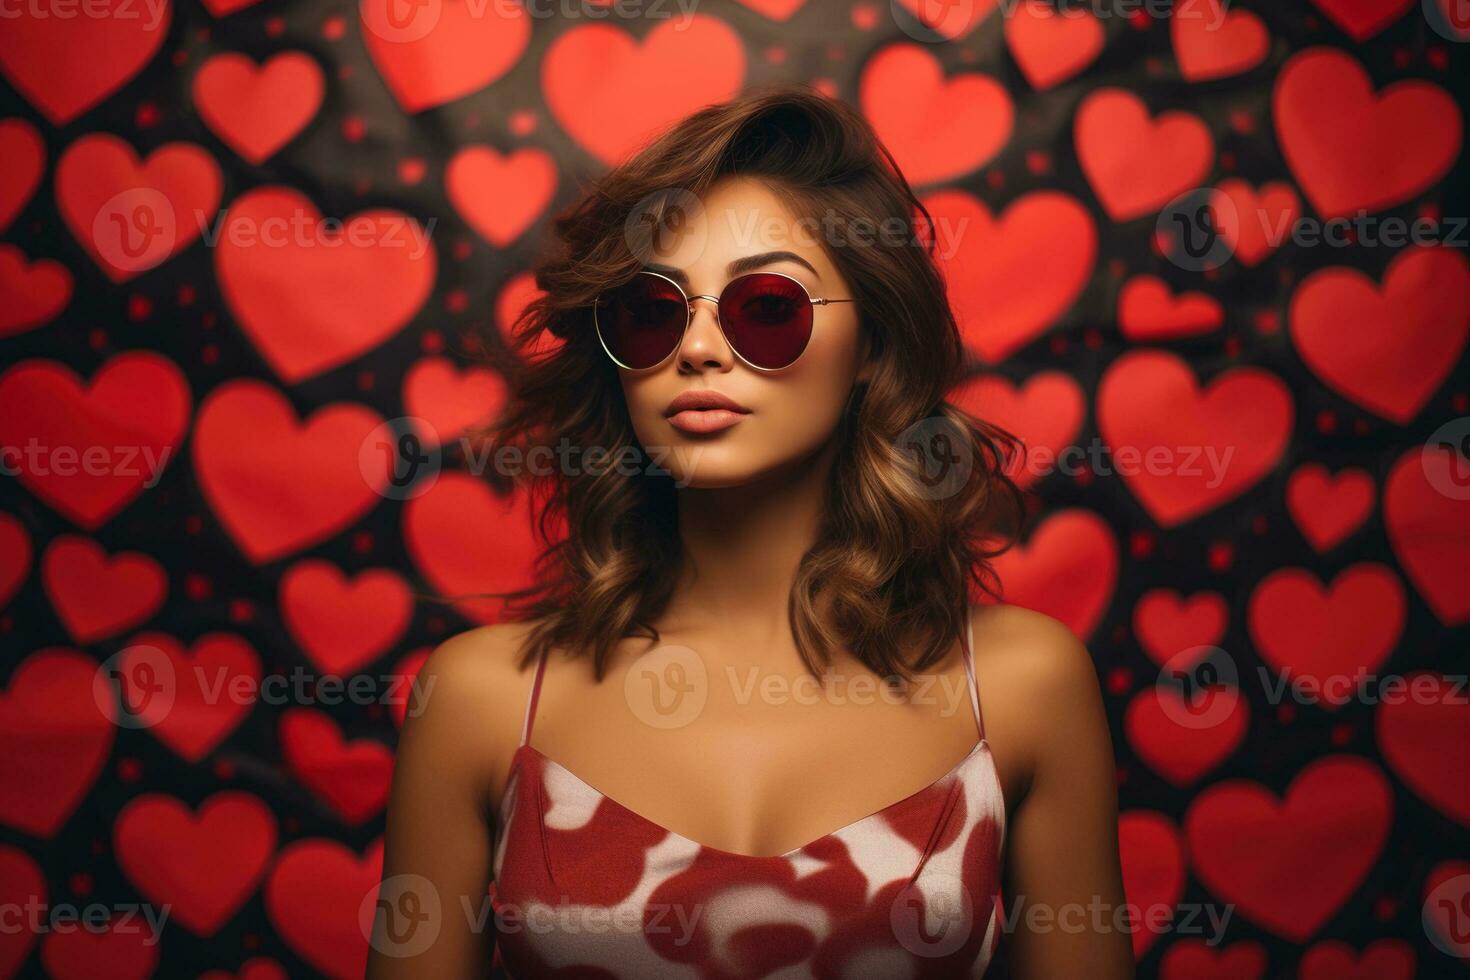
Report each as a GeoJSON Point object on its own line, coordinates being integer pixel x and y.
{"type": "Point", "coordinates": [1339, 876]}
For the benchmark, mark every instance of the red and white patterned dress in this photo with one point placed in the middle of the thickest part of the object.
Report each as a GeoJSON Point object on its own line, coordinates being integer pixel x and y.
{"type": "Point", "coordinates": [586, 888]}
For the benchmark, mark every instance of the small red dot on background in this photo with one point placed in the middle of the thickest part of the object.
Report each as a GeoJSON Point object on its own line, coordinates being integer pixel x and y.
{"type": "Point", "coordinates": [208, 321]}
{"type": "Point", "coordinates": [1058, 344]}
{"type": "Point", "coordinates": [432, 342]}
{"type": "Point", "coordinates": [1402, 58]}
{"type": "Point", "coordinates": [1384, 908]}
{"type": "Point", "coordinates": [80, 883]}
{"type": "Point", "coordinates": [1341, 735]}
{"type": "Point", "coordinates": [209, 355]}
{"type": "Point", "coordinates": [1038, 162]}
{"type": "Point", "coordinates": [1083, 477]}
{"type": "Point", "coordinates": [334, 28]}
{"type": "Point", "coordinates": [362, 542]}
{"type": "Point", "coordinates": [180, 58]}
{"type": "Point", "coordinates": [865, 16]}
{"type": "Point", "coordinates": [1141, 544]}
{"type": "Point", "coordinates": [275, 27]}
{"type": "Point", "coordinates": [139, 308]}
{"type": "Point", "coordinates": [353, 128]}
{"type": "Point", "coordinates": [1438, 59]}
{"type": "Point", "coordinates": [197, 587]}
{"type": "Point", "coordinates": [1117, 269]}
{"type": "Point", "coordinates": [826, 86]}
{"type": "Point", "coordinates": [1227, 160]}
{"type": "Point", "coordinates": [147, 115]}
{"type": "Point", "coordinates": [1119, 680]}
{"type": "Point", "coordinates": [1092, 338]}
{"type": "Point", "coordinates": [457, 301]}
{"type": "Point", "coordinates": [1139, 20]}
{"type": "Point", "coordinates": [1221, 556]}
{"type": "Point", "coordinates": [523, 122]}
{"type": "Point", "coordinates": [1286, 713]}
{"type": "Point", "coordinates": [1232, 345]}
{"type": "Point", "coordinates": [241, 610]}
{"type": "Point", "coordinates": [775, 56]}
{"type": "Point", "coordinates": [1326, 421]}
{"type": "Point", "coordinates": [1267, 322]}
{"type": "Point", "coordinates": [97, 339]}
{"type": "Point", "coordinates": [187, 295]}
{"type": "Point", "coordinates": [462, 250]}
{"type": "Point", "coordinates": [366, 380]}
{"type": "Point", "coordinates": [995, 178]}
{"type": "Point", "coordinates": [412, 170]}
{"type": "Point", "coordinates": [129, 770]}
{"type": "Point", "coordinates": [224, 769]}
{"type": "Point", "coordinates": [1242, 122]}
{"type": "Point", "coordinates": [1461, 401]}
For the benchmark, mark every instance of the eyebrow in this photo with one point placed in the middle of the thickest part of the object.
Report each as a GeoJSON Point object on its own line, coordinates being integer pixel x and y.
{"type": "Point", "coordinates": [737, 267]}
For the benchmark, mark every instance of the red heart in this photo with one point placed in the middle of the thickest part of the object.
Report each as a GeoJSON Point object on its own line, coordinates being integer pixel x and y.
{"type": "Point", "coordinates": [1387, 350]}
{"type": "Point", "coordinates": [1385, 959]}
{"type": "Point", "coordinates": [498, 560]}
{"type": "Point", "coordinates": [279, 485]}
{"type": "Point", "coordinates": [951, 21]}
{"type": "Point", "coordinates": [15, 560]}
{"type": "Point", "coordinates": [518, 292]}
{"type": "Point", "coordinates": [1162, 729]}
{"type": "Point", "coordinates": [54, 740]}
{"type": "Point", "coordinates": [122, 949]}
{"type": "Point", "coordinates": [449, 400]}
{"type": "Point", "coordinates": [1136, 164]}
{"type": "Point", "coordinates": [1446, 903]}
{"type": "Point", "coordinates": [213, 687]}
{"type": "Point", "coordinates": [174, 856]}
{"type": "Point", "coordinates": [314, 298]}
{"type": "Point", "coordinates": [777, 10]}
{"type": "Point", "coordinates": [1153, 869]}
{"type": "Point", "coordinates": [1205, 447]}
{"type": "Point", "coordinates": [1254, 223]}
{"type": "Point", "coordinates": [258, 110]}
{"type": "Point", "coordinates": [1196, 959]}
{"type": "Point", "coordinates": [611, 93]}
{"type": "Point", "coordinates": [259, 968]}
{"type": "Point", "coordinates": [223, 8]}
{"type": "Point", "coordinates": [31, 293]}
{"type": "Point", "coordinates": [405, 695]}
{"type": "Point", "coordinates": [21, 882]}
{"type": "Point", "coordinates": [1331, 638]}
{"type": "Point", "coordinates": [344, 626]}
{"type": "Point", "coordinates": [1067, 569]}
{"type": "Point", "coordinates": [1010, 279]}
{"type": "Point", "coordinates": [1328, 507]}
{"type": "Point", "coordinates": [350, 777]}
{"type": "Point", "coordinates": [133, 215]}
{"type": "Point", "coordinates": [1361, 19]}
{"type": "Point", "coordinates": [1422, 731]}
{"type": "Point", "coordinates": [96, 596]}
{"type": "Point", "coordinates": [25, 160]}
{"type": "Point", "coordinates": [1427, 513]}
{"type": "Point", "coordinates": [1209, 43]}
{"type": "Point", "coordinates": [1051, 46]}
{"type": "Point", "coordinates": [1167, 624]}
{"type": "Point", "coordinates": [500, 196]}
{"type": "Point", "coordinates": [937, 128]}
{"type": "Point", "coordinates": [1290, 865]}
{"type": "Point", "coordinates": [102, 445]}
{"type": "Point", "coordinates": [444, 50]}
{"type": "Point", "coordinates": [314, 895]}
{"type": "Point", "coordinates": [1047, 413]}
{"type": "Point", "coordinates": [1351, 148]}
{"type": "Point", "coordinates": [65, 64]}
{"type": "Point", "coordinates": [1149, 311]}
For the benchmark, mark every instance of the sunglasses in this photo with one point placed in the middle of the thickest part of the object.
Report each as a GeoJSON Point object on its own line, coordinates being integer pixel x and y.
{"type": "Point", "coordinates": [766, 318]}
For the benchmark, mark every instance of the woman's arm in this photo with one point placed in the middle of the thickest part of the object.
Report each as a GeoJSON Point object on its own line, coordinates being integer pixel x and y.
{"type": "Point", "coordinates": [1063, 887]}
{"type": "Point", "coordinates": [433, 914]}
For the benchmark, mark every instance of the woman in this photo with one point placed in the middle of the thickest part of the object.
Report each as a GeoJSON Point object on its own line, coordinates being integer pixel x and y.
{"type": "Point", "coordinates": [748, 724]}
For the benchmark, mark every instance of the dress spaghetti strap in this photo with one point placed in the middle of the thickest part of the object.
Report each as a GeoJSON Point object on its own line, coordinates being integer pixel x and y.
{"type": "Point", "coordinates": [970, 672]}
{"type": "Point", "coordinates": [533, 698]}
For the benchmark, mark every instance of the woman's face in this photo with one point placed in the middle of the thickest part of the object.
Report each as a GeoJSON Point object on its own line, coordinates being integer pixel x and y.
{"type": "Point", "coordinates": [789, 413]}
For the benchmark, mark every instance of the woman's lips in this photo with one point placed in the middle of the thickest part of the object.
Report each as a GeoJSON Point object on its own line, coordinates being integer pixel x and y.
{"type": "Point", "coordinates": [700, 421]}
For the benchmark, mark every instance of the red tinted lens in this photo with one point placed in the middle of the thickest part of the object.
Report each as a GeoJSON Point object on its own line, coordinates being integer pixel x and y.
{"type": "Point", "coordinates": [642, 321]}
{"type": "Point", "coordinates": [767, 318]}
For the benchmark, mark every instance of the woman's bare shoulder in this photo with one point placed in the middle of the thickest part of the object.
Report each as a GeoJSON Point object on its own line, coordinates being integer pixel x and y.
{"type": "Point", "coordinates": [1029, 647]}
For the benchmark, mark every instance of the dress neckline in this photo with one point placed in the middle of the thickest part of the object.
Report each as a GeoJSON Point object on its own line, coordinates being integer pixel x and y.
{"type": "Point", "coordinates": [526, 747]}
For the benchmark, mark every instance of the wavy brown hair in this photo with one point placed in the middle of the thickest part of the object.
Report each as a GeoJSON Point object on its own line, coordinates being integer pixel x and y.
{"type": "Point", "coordinates": [888, 576]}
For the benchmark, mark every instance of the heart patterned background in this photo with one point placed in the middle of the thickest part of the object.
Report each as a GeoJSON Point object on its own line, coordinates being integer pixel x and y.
{"type": "Point", "coordinates": [216, 391]}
